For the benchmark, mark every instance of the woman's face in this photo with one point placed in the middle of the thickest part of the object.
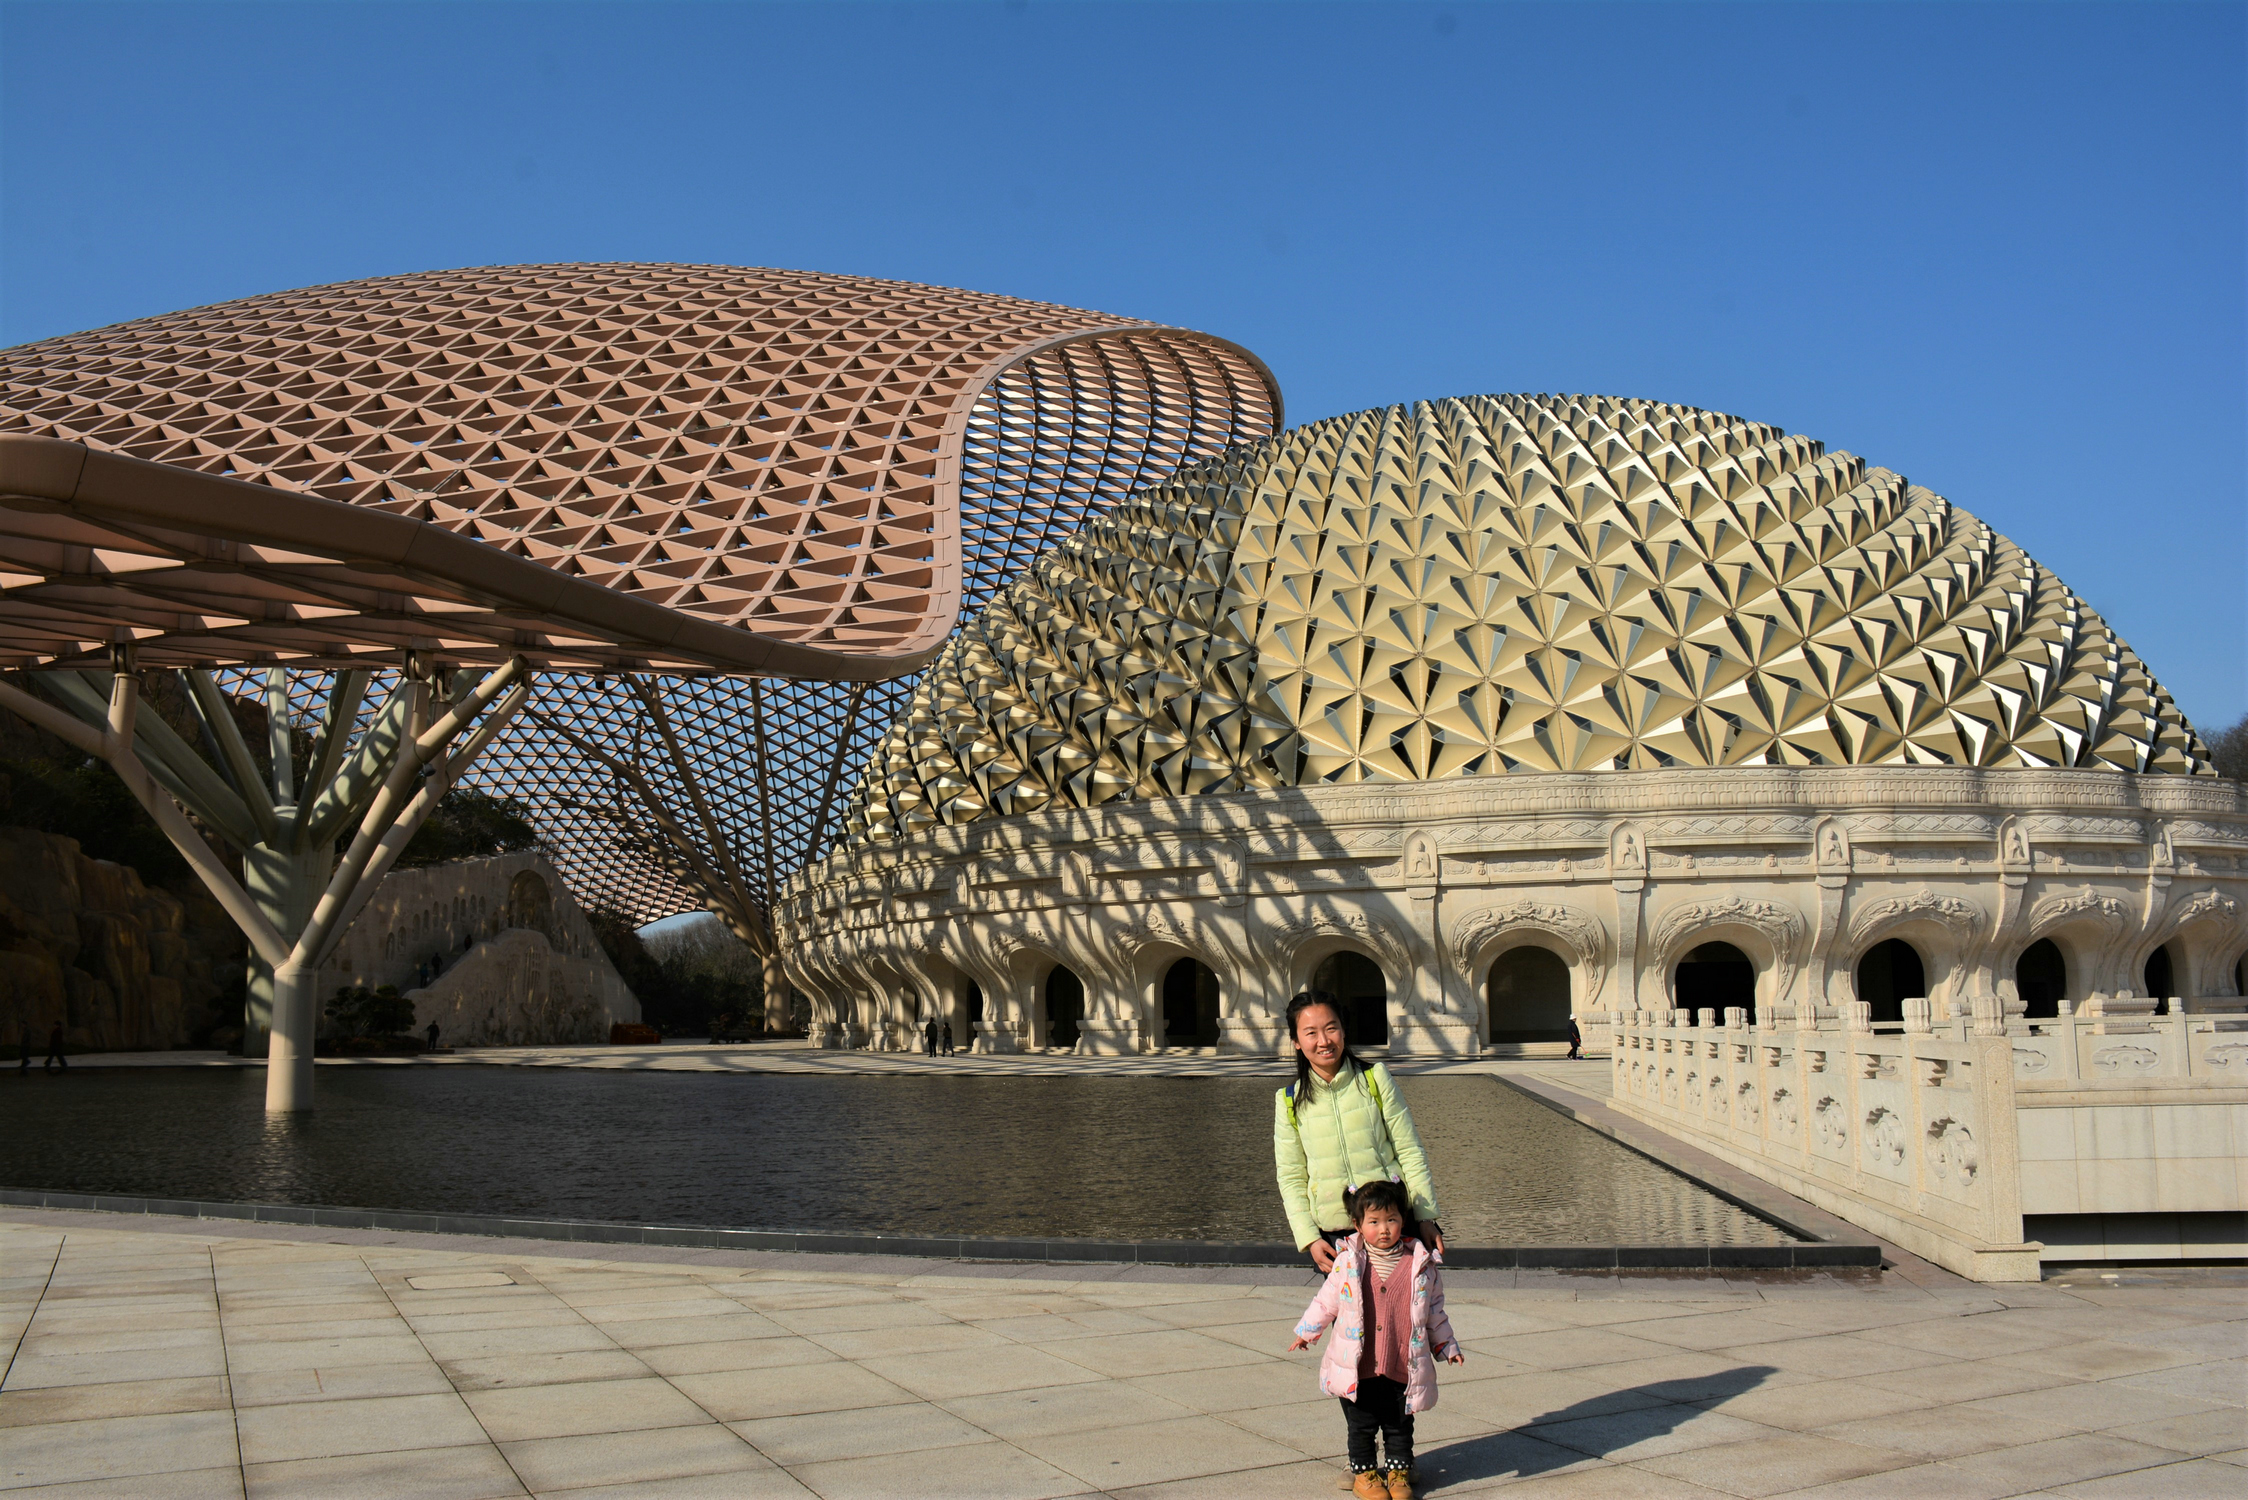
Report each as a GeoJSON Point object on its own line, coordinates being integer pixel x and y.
{"type": "Point", "coordinates": [1319, 1033]}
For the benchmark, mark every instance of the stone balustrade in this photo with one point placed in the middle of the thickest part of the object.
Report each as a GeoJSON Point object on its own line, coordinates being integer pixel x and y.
{"type": "Point", "coordinates": [1911, 1133]}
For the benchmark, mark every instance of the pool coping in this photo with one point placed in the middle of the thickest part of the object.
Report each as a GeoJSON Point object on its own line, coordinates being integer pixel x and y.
{"type": "Point", "coordinates": [1808, 1255]}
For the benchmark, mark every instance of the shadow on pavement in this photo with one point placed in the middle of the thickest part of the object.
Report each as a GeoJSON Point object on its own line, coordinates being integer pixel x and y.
{"type": "Point", "coordinates": [1595, 1428]}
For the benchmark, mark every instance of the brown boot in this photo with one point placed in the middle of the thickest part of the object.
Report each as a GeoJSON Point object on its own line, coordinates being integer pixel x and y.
{"type": "Point", "coordinates": [1400, 1482]}
{"type": "Point", "coordinates": [1369, 1485]}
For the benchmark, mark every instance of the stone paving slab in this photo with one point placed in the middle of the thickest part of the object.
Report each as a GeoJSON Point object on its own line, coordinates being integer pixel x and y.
{"type": "Point", "coordinates": [337, 1363]}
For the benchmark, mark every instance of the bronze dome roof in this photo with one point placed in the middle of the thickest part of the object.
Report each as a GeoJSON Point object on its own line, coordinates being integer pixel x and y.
{"type": "Point", "coordinates": [691, 468]}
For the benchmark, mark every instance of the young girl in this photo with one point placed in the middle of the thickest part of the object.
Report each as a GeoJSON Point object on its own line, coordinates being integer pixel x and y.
{"type": "Point", "coordinates": [1385, 1297]}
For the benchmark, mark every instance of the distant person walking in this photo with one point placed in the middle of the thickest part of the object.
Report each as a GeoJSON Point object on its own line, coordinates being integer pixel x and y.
{"type": "Point", "coordinates": [1340, 1124]}
{"type": "Point", "coordinates": [432, 1035]}
{"type": "Point", "coordinates": [929, 1038]}
{"type": "Point", "coordinates": [946, 1038]}
{"type": "Point", "coordinates": [55, 1059]}
{"type": "Point", "coordinates": [1576, 1039]}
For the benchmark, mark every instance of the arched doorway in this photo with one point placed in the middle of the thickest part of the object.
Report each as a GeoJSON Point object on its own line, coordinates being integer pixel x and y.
{"type": "Point", "coordinates": [1889, 974]}
{"type": "Point", "coordinates": [1357, 981]}
{"type": "Point", "coordinates": [975, 1010]}
{"type": "Point", "coordinates": [1715, 976]}
{"type": "Point", "coordinates": [2041, 979]}
{"type": "Point", "coordinates": [1528, 995]}
{"type": "Point", "coordinates": [1065, 1007]}
{"type": "Point", "coordinates": [1190, 1004]}
{"type": "Point", "coordinates": [2160, 976]}
{"type": "Point", "coordinates": [529, 902]}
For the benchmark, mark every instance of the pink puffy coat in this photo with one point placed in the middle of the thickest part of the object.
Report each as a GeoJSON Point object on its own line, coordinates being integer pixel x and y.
{"type": "Point", "coordinates": [1342, 1302]}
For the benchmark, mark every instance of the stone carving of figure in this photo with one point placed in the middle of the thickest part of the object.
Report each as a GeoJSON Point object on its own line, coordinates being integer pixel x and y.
{"type": "Point", "coordinates": [2017, 847]}
{"type": "Point", "coordinates": [1420, 861]}
{"type": "Point", "coordinates": [1628, 851]}
{"type": "Point", "coordinates": [1833, 845]}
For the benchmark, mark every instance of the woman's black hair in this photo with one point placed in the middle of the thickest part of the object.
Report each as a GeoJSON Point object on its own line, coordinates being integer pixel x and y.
{"type": "Point", "coordinates": [1380, 1193]}
{"type": "Point", "coordinates": [1296, 1007]}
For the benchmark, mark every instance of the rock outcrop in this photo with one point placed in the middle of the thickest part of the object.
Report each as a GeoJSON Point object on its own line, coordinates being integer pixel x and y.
{"type": "Point", "coordinates": [495, 951]}
{"type": "Point", "coordinates": [86, 942]}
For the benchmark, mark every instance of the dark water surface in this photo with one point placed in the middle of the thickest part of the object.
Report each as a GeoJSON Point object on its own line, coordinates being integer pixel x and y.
{"type": "Point", "coordinates": [1096, 1158]}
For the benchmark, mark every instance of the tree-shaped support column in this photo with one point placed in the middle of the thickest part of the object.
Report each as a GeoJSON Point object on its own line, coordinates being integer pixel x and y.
{"type": "Point", "coordinates": [297, 897]}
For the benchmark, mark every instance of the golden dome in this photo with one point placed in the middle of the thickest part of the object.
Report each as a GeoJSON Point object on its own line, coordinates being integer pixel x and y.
{"type": "Point", "coordinates": [1513, 583]}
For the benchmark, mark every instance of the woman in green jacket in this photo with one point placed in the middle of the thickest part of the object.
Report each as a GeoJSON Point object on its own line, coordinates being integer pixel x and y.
{"type": "Point", "coordinates": [1342, 1122]}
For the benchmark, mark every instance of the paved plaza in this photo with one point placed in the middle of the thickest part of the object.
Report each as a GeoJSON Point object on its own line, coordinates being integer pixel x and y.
{"type": "Point", "coordinates": [156, 1357]}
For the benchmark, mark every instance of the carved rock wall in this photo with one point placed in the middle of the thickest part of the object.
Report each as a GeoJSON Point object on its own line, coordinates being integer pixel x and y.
{"type": "Point", "coordinates": [495, 951]}
{"type": "Point", "coordinates": [123, 965]}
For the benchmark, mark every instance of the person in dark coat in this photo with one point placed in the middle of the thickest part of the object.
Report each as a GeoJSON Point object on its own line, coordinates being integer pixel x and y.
{"type": "Point", "coordinates": [1576, 1039]}
{"type": "Point", "coordinates": [947, 1039]}
{"type": "Point", "coordinates": [432, 1035]}
{"type": "Point", "coordinates": [55, 1059]}
{"type": "Point", "coordinates": [929, 1038]}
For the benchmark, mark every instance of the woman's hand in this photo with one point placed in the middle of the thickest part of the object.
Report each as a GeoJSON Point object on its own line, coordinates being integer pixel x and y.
{"type": "Point", "coordinates": [1301, 1344]}
{"type": "Point", "coordinates": [1322, 1256]}
{"type": "Point", "coordinates": [1455, 1358]}
{"type": "Point", "coordinates": [1432, 1235]}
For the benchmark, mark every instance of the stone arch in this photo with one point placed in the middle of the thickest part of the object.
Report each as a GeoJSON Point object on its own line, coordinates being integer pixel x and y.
{"type": "Point", "coordinates": [1305, 940]}
{"type": "Point", "coordinates": [1767, 933]}
{"type": "Point", "coordinates": [530, 902]}
{"type": "Point", "coordinates": [2087, 928]}
{"type": "Point", "coordinates": [1577, 938]}
{"type": "Point", "coordinates": [1941, 930]}
{"type": "Point", "coordinates": [2203, 933]}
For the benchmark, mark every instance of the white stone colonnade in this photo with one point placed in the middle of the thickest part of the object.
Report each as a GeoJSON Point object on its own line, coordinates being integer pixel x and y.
{"type": "Point", "coordinates": [1800, 873]}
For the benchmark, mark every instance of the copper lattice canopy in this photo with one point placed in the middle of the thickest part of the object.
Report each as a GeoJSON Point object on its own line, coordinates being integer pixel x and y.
{"type": "Point", "coordinates": [675, 468]}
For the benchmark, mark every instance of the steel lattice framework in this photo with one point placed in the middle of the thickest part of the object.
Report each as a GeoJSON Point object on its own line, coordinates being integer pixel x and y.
{"type": "Point", "coordinates": [675, 471]}
{"type": "Point", "coordinates": [1512, 583]}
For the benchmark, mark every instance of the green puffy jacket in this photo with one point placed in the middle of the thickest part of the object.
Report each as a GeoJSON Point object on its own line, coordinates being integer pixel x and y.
{"type": "Point", "coordinates": [1354, 1130]}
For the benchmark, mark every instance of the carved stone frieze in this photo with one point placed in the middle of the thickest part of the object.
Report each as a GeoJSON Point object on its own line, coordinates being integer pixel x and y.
{"type": "Point", "coordinates": [1479, 931]}
{"type": "Point", "coordinates": [1955, 912]}
{"type": "Point", "coordinates": [2052, 911]}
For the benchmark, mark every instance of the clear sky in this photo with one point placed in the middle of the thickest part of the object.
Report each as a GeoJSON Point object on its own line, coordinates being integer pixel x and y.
{"type": "Point", "coordinates": [1997, 247]}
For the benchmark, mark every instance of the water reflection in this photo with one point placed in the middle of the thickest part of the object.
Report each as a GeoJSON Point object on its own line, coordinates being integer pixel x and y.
{"type": "Point", "coordinates": [1108, 1158]}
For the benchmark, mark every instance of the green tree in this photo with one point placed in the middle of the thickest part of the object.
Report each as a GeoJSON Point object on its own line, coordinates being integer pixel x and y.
{"type": "Point", "coordinates": [359, 1011]}
{"type": "Point", "coordinates": [2229, 749]}
{"type": "Point", "coordinates": [469, 824]}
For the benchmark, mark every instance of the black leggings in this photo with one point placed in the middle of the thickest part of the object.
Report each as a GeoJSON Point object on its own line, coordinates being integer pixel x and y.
{"type": "Point", "coordinates": [1380, 1406]}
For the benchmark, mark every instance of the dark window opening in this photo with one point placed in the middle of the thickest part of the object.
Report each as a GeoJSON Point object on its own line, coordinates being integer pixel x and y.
{"type": "Point", "coordinates": [2159, 975]}
{"type": "Point", "coordinates": [1529, 996]}
{"type": "Point", "coordinates": [2041, 978]}
{"type": "Point", "coordinates": [1890, 974]}
{"type": "Point", "coordinates": [1065, 1008]}
{"type": "Point", "coordinates": [975, 1004]}
{"type": "Point", "coordinates": [1357, 981]}
{"type": "Point", "coordinates": [1716, 976]}
{"type": "Point", "coordinates": [1190, 1004]}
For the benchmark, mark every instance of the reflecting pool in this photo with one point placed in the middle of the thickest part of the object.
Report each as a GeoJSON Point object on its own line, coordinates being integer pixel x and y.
{"type": "Point", "coordinates": [1099, 1158]}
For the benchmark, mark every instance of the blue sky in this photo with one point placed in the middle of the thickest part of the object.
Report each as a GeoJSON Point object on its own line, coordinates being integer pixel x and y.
{"type": "Point", "coordinates": [1997, 247]}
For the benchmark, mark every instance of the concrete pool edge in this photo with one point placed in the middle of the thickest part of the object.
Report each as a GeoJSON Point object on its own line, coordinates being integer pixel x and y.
{"type": "Point", "coordinates": [1752, 1195]}
{"type": "Point", "coordinates": [1810, 1255]}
